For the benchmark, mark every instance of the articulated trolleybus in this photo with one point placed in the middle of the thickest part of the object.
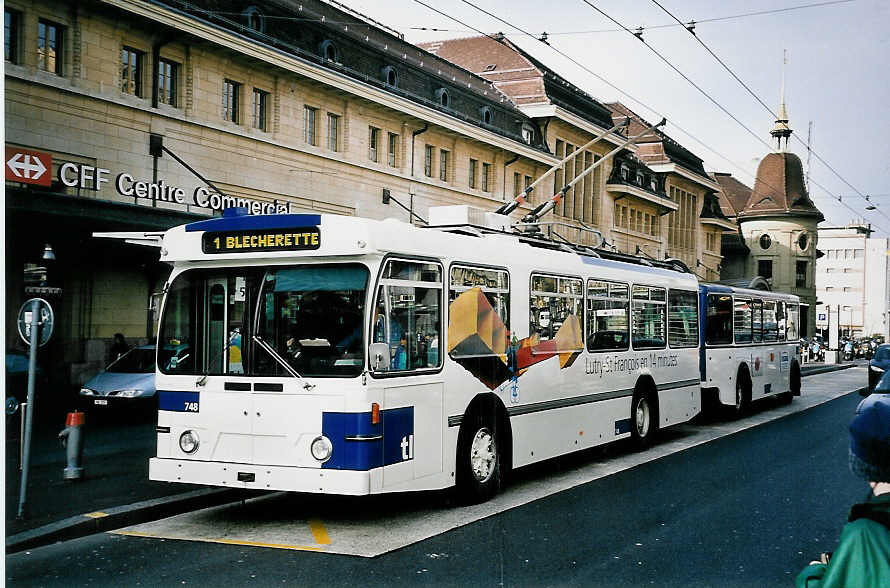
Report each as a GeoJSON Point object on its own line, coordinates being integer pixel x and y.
{"type": "Point", "coordinates": [332, 354]}
{"type": "Point", "coordinates": [750, 348]}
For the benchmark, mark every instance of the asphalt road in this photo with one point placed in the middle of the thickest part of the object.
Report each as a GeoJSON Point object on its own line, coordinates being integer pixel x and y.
{"type": "Point", "coordinates": [749, 509]}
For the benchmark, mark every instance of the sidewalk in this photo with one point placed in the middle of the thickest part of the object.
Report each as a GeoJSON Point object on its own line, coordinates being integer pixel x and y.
{"type": "Point", "coordinates": [115, 490]}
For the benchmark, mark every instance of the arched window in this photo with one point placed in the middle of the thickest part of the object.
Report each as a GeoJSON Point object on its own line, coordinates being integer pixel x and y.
{"type": "Point", "coordinates": [329, 51]}
{"type": "Point", "coordinates": [443, 98]}
{"type": "Point", "coordinates": [254, 19]}
{"type": "Point", "coordinates": [485, 114]}
{"type": "Point", "coordinates": [528, 133]}
{"type": "Point", "coordinates": [390, 76]}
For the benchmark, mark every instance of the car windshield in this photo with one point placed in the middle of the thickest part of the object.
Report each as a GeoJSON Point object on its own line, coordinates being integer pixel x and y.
{"type": "Point", "coordinates": [882, 354]}
{"type": "Point", "coordinates": [135, 361]}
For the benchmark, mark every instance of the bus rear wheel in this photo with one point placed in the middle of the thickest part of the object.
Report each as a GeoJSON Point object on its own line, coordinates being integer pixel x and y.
{"type": "Point", "coordinates": [643, 420]}
{"type": "Point", "coordinates": [742, 395]}
{"type": "Point", "coordinates": [479, 460]}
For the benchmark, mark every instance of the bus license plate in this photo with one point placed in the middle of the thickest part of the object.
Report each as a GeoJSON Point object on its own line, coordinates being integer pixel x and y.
{"type": "Point", "coordinates": [100, 402]}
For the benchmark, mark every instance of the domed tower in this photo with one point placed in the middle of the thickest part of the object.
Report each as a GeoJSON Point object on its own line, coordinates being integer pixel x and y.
{"type": "Point", "coordinates": [779, 222]}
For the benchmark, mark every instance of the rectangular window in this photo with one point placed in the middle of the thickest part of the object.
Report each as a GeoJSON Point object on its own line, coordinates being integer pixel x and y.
{"type": "Point", "coordinates": [428, 161]}
{"type": "Point", "coordinates": [466, 306]}
{"type": "Point", "coordinates": [718, 320]}
{"type": "Point", "coordinates": [793, 316]}
{"type": "Point", "coordinates": [473, 168]}
{"type": "Point", "coordinates": [553, 301]}
{"type": "Point", "coordinates": [757, 320]}
{"type": "Point", "coordinates": [526, 182]}
{"type": "Point", "coordinates": [443, 165]}
{"type": "Point", "coordinates": [608, 308]}
{"type": "Point", "coordinates": [408, 315]}
{"type": "Point", "coordinates": [393, 145]}
{"type": "Point", "coordinates": [648, 317]}
{"type": "Point", "coordinates": [260, 109]}
{"type": "Point", "coordinates": [682, 318]}
{"type": "Point", "coordinates": [781, 320]}
{"type": "Point", "coordinates": [131, 71]}
{"type": "Point", "coordinates": [310, 122]}
{"type": "Point", "coordinates": [333, 132]}
{"type": "Point", "coordinates": [486, 177]}
{"type": "Point", "coordinates": [800, 274]}
{"type": "Point", "coordinates": [50, 41]}
{"type": "Point", "coordinates": [770, 322]}
{"type": "Point", "coordinates": [765, 268]}
{"type": "Point", "coordinates": [517, 183]}
{"type": "Point", "coordinates": [858, 253]}
{"type": "Point", "coordinates": [742, 320]}
{"type": "Point", "coordinates": [168, 75]}
{"type": "Point", "coordinates": [373, 141]}
{"type": "Point", "coordinates": [559, 174]}
{"type": "Point", "coordinates": [230, 101]}
{"type": "Point", "coordinates": [12, 23]}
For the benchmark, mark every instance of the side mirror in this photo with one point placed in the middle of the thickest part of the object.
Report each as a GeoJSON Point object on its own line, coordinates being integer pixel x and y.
{"type": "Point", "coordinates": [378, 356]}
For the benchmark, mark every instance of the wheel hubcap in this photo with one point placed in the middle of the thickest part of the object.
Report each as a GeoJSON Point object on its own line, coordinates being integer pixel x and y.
{"type": "Point", "coordinates": [483, 456]}
{"type": "Point", "coordinates": [738, 396]}
{"type": "Point", "coordinates": [641, 416]}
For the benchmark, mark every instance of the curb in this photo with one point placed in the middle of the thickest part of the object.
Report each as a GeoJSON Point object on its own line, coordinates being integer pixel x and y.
{"type": "Point", "coordinates": [825, 369]}
{"type": "Point", "coordinates": [123, 516]}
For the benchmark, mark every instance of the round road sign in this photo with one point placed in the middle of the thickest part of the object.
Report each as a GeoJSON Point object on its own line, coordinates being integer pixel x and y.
{"type": "Point", "coordinates": [45, 321]}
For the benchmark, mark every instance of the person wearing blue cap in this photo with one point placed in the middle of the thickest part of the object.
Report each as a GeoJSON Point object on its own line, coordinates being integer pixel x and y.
{"type": "Point", "coordinates": [862, 557]}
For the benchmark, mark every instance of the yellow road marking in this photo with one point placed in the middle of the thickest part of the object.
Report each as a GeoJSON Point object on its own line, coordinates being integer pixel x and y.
{"type": "Point", "coordinates": [222, 540]}
{"type": "Point", "coordinates": [96, 515]}
{"type": "Point", "coordinates": [319, 532]}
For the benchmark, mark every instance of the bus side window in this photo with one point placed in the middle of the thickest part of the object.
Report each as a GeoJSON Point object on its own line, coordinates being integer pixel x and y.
{"type": "Point", "coordinates": [607, 316]}
{"type": "Point", "coordinates": [757, 320]}
{"type": "Point", "coordinates": [742, 320]}
{"type": "Point", "coordinates": [648, 317]}
{"type": "Point", "coordinates": [553, 301]}
{"type": "Point", "coordinates": [407, 314]}
{"type": "Point", "coordinates": [719, 319]}
{"type": "Point", "coordinates": [467, 310]}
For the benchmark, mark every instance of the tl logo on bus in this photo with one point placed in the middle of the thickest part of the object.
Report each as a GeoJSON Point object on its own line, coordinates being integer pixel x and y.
{"type": "Point", "coordinates": [407, 447]}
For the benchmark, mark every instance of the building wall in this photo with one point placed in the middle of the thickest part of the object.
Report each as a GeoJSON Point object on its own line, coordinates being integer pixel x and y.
{"type": "Point", "coordinates": [784, 253]}
{"type": "Point", "coordinates": [852, 281]}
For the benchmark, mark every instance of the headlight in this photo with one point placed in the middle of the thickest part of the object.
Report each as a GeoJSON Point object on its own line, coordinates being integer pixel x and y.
{"type": "Point", "coordinates": [875, 368]}
{"type": "Point", "coordinates": [189, 441]}
{"type": "Point", "coordinates": [86, 392]}
{"type": "Point", "coordinates": [132, 393]}
{"type": "Point", "coordinates": [321, 448]}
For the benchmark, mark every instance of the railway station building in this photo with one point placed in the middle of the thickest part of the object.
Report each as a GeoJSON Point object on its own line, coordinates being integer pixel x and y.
{"type": "Point", "coordinates": [139, 115]}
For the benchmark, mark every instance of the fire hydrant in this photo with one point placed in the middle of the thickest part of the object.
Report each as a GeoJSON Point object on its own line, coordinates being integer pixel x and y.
{"type": "Point", "coordinates": [72, 439]}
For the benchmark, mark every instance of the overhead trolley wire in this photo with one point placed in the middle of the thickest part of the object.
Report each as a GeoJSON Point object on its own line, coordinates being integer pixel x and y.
{"type": "Point", "coordinates": [619, 90]}
{"type": "Point", "coordinates": [762, 103]}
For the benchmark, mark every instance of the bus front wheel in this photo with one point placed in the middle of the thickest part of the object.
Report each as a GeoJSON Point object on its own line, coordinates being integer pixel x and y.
{"type": "Point", "coordinates": [479, 459]}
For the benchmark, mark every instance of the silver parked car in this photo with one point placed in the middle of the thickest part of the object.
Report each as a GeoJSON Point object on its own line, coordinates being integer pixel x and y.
{"type": "Point", "coordinates": [126, 381]}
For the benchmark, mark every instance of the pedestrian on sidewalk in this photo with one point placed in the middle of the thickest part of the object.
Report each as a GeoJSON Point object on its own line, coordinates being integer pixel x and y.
{"type": "Point", "coordinates": [862, 557]}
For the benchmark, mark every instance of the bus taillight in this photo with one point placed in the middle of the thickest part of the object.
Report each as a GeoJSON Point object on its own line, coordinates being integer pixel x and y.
{"type": "Point", "coordinates": [375, 413]}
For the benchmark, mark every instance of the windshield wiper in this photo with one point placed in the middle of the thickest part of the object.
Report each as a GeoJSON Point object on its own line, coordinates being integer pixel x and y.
{"type": "Point", "coordinates": [287, 367]}
{"type": "Point", "coordinates": [236, 332]}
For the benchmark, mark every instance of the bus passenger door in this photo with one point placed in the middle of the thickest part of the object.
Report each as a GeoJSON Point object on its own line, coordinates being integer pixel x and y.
{"type": "Point", "coordinates": [412, 432]}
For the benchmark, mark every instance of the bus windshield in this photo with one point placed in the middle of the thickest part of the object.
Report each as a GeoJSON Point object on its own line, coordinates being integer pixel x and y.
{"type": "Point", "coordinates": [309, 316]}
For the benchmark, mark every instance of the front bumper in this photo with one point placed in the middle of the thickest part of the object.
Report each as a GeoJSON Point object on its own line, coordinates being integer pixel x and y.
{"type": "Point", "coordinates": [260, 477]}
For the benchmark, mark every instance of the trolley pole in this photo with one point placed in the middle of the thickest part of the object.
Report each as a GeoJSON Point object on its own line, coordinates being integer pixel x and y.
{"type": "Point", "coordinates": [29, 417]}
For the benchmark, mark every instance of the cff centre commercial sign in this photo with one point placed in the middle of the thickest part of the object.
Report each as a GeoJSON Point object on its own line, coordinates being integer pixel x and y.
{"type": "Point", "coordinates": [35, 167]}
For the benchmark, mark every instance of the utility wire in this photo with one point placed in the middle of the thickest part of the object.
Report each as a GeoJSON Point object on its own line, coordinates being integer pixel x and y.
{"type": "Point", "coordinates": [661, 26]}
{"type": "Point", "coordinates": [720, 106]}
{"type": "Point", "coordinates": [619, 90]}
{"type": "Point", "coordinates": [762, 103]}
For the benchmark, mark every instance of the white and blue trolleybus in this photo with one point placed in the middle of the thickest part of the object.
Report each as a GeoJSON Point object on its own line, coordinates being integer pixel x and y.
{"type": "Point", "coordinates": [333, 354]}
{"type": "Point", "coordinates": [751, 348]}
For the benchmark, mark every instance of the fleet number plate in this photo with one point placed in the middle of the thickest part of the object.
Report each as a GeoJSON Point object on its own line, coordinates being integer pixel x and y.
{"type": "Point", "coordinates": [100, 401]}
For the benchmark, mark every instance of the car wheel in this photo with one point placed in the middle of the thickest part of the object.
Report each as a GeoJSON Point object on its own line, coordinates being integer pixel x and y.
{"type": "Point", "coordinates": [742, 394]}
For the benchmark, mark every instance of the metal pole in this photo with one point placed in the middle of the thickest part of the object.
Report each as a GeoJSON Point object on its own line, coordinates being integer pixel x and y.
{"type": "Point", "coordinates": [29, 419]}
{"type": "Point", "coordinates": [23, 408]}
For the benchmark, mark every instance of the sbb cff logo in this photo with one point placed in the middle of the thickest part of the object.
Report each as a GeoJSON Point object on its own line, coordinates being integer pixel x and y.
{"type": "Point", "coordinates": [29, 167]}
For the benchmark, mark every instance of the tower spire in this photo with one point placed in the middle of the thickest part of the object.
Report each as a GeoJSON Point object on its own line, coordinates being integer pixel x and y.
{"type": "Point", "coordinates": [781, 130]}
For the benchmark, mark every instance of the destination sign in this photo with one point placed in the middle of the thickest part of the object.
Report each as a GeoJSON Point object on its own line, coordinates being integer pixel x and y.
{"type": "Point", "coordinates": [293, 239]}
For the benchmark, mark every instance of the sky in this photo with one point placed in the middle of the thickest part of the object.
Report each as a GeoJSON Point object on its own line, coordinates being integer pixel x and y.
{"type": "Point", "coordinates": [837, 76]}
